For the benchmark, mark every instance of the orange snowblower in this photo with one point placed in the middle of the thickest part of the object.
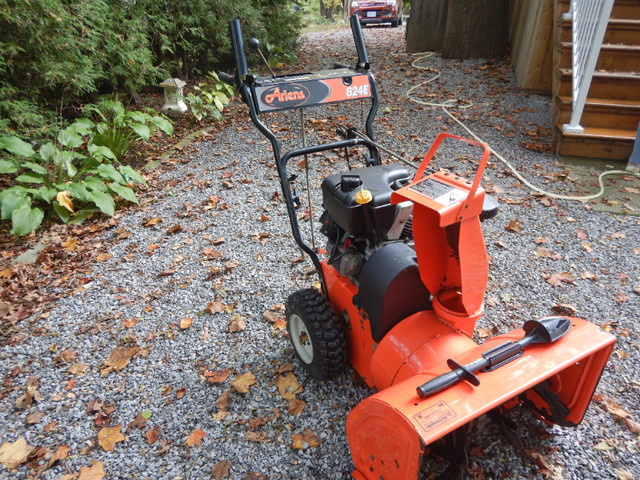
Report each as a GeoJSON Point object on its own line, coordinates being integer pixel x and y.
{"type": "Point", "coordinates": [403, 278]}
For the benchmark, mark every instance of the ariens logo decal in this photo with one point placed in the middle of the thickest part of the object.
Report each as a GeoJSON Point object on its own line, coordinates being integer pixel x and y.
{"type": "Point", "coordinates": [282, 96]}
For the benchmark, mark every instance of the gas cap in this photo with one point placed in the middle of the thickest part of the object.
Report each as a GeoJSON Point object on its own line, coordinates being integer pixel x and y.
{"type": "Point", "coordinates": [349, 182]}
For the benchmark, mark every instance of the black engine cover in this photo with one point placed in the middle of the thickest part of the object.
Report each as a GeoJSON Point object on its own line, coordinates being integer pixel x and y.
{"type": "Point", "coordinates": [340, 203]}
{"type": "Point", "coordinates": [390, 288]}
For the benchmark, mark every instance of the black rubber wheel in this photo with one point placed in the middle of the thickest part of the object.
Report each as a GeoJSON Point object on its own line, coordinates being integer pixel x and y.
{"type": "Point", "coordinates": [316, 335]}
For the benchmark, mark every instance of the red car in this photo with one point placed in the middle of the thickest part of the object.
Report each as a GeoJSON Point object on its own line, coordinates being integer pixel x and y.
{"type": "Point", "coordinates": [378, 11]}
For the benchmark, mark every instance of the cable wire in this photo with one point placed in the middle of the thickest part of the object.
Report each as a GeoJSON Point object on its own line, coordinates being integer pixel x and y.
{"type": "Point", "coordinates": [454, 103]}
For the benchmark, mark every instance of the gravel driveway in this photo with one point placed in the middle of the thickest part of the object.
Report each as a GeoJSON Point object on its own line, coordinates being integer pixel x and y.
{"type": "Point", "coordinates": [174, 363]}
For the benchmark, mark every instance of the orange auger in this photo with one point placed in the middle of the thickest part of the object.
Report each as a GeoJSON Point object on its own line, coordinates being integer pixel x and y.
{"type": "Point", "coordinates": [403, 279]}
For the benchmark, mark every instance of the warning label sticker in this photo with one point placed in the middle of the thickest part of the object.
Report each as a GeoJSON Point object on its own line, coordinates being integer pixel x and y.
{"type": "Point", "coordinates": [434, 416]}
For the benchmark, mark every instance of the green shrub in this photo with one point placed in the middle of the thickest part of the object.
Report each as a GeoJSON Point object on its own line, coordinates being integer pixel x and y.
{"type": "Point", "coordinates": [118, 129]}
{"type": "Point", "coordinates": [75, 176]}
{"type": "Point", "coordinates": [208, 98]}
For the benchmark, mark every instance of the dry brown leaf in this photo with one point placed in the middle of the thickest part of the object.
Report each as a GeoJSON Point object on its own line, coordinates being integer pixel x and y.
{"type": "Point", "coordinates": [94, 472]}
{"type": "Point", "coordinates": [219, 376]}
{"type": "Point", "coordinates": [186, 323]}
{"type": "Point", "coordinates": [60, 454]}
{"type": "Point", "coordinates": [64, 198]}
{"type": "Point", "coordinates": [288, 386]}
{"type": "Point", "coordinates": [181, 392]}
{"type": "Point", "coordinates": [79, 368]}
{"type": "Point", "coordinates": [196, 437]}
{"type": "Point", "coordinates": [153, 434]}
{"type": "Point", "coordinates": [296, 407]}
{"type": "Point", "coordinates": [223, 401]}
{"type": "Point", "coordinates": [221, 470]}
{"type": "Point", "coordinates": [118, 359]}
{"type": "Point", "coordinates": [556, 279]}
{"type": "Point", "coordinates": [214, 307]}
{"type": "Point", "coordinates": [624, 474]}
{"type": "Point", "coordinates": [34, 417]}
{"type": "Point", "coordinates": [260, 437]}
{"type": "Point", "coordinates": [514, 226]}
{"type": "Point", "coordinates": [13, 454]}
{"type": "Point", "coordinates": [237, 324]}
{"type": "Point", "coordinates": [302, 442]}
{"type": "Point", "coordinates": [66, 356]}
{"type": "Point", "coordinates": [244, 382]}
{"type": "Point", "coordinates": [152, 222]}
{"type": "Point", "coordinates": [109, 436]}
{"type": "Point", "coordinates": [138, 422]}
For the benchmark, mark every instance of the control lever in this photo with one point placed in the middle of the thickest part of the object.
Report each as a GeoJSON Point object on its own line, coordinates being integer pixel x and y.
{"type": "Point", "coordinates": [255, 44]}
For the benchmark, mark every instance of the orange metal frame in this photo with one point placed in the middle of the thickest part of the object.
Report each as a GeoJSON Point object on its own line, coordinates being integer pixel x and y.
{"type": "Point", "coordinates": [388, 432]}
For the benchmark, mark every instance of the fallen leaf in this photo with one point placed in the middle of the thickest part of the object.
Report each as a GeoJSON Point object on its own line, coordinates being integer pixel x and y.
{"type": "Point", "coordinates": [138, 422]}
{"type": "Point", "coordinates": [603, 447]}
{"type": "Point", "coordinates": [255, 476]}
{"type": "Point", "coordinates": [35, 417]}
{"type": "Point", "coordinates": [223, 401]}
{"type": "Point", "coordinates": [634, 426]}
{"type": "Point", "coordinates": [244, 382]}
{"type": "Point", "coordinates": [214, 307]}
{"type": "Point", "coordinates": [556, 279]}
{"type": "Point", "coordinates": [259, 437]}
{"type": "Point", "coordinates": [624, 474]}
{"type": "Point", "coordinates": [94, 472]}
{"type": "Point", "coordinates": [109, 436]}
{"type": "Point", "coordinates": [13, 454]}
{"type": "Point", "coordinates": [64, 198]}
{"type": "Point", "coordinates": [221, 470]}
{"type": "Point", "coordinates": [514, 226]}
{"type": "Point", "coordinates": [237, 324]}
{"type": "Point", "coordinates": [296, 407]}
{"type": "Point", "coordinates": [152, 222]}
{"type": "Point", "coordinates": [118, 359]}
{"type": "Point", "coordinates": [129, 323]}
{"type": "Point", "coordinates": [153, 434]}
{"type": "Point", "coordinates": [288, 386]}
{"type": "Point", "coordinates": [66, 356]}
{"type": "Point", "coordinates": [219, 376]}
{"type": "Point", "coordinates": [174, 229]}
{"type": "Point", "coordinates": [181, 392]}
{"type": "Point", "coordinates": [186, 323]}
{"type": "Point", "coordinates": [60, 454]}
{"type": "Point", "coordinates": [302, 442]}
{"type": "Point", "coordinates": [196, 438]}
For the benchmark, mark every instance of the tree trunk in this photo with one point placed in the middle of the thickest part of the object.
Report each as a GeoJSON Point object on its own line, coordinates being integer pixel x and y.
{"type": "Point", "coordinates": [459, 28]}
{"type": "Point", "coordinates": [426, 25]}
{"type": "Point", "coordinates": [476, 28]}
{"type": "Point", "coordinates": [327, 11]}
{"type": "Point", "coordinates": [345, 9]}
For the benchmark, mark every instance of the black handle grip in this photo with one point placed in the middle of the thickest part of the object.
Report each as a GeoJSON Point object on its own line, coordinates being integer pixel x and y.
{"type": "Point", "coordinates": [238, 50]}
{"type": "Point", "coordinates": [363, 59]}
{"type": "Point", "coordinates": [225, 77]}
{"type": "Point", "coordinates": [441, 382]}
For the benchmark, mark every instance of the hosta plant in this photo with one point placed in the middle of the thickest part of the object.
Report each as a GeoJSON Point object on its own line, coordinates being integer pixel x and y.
{"type": "Point", "coordinates": [71, 178]}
